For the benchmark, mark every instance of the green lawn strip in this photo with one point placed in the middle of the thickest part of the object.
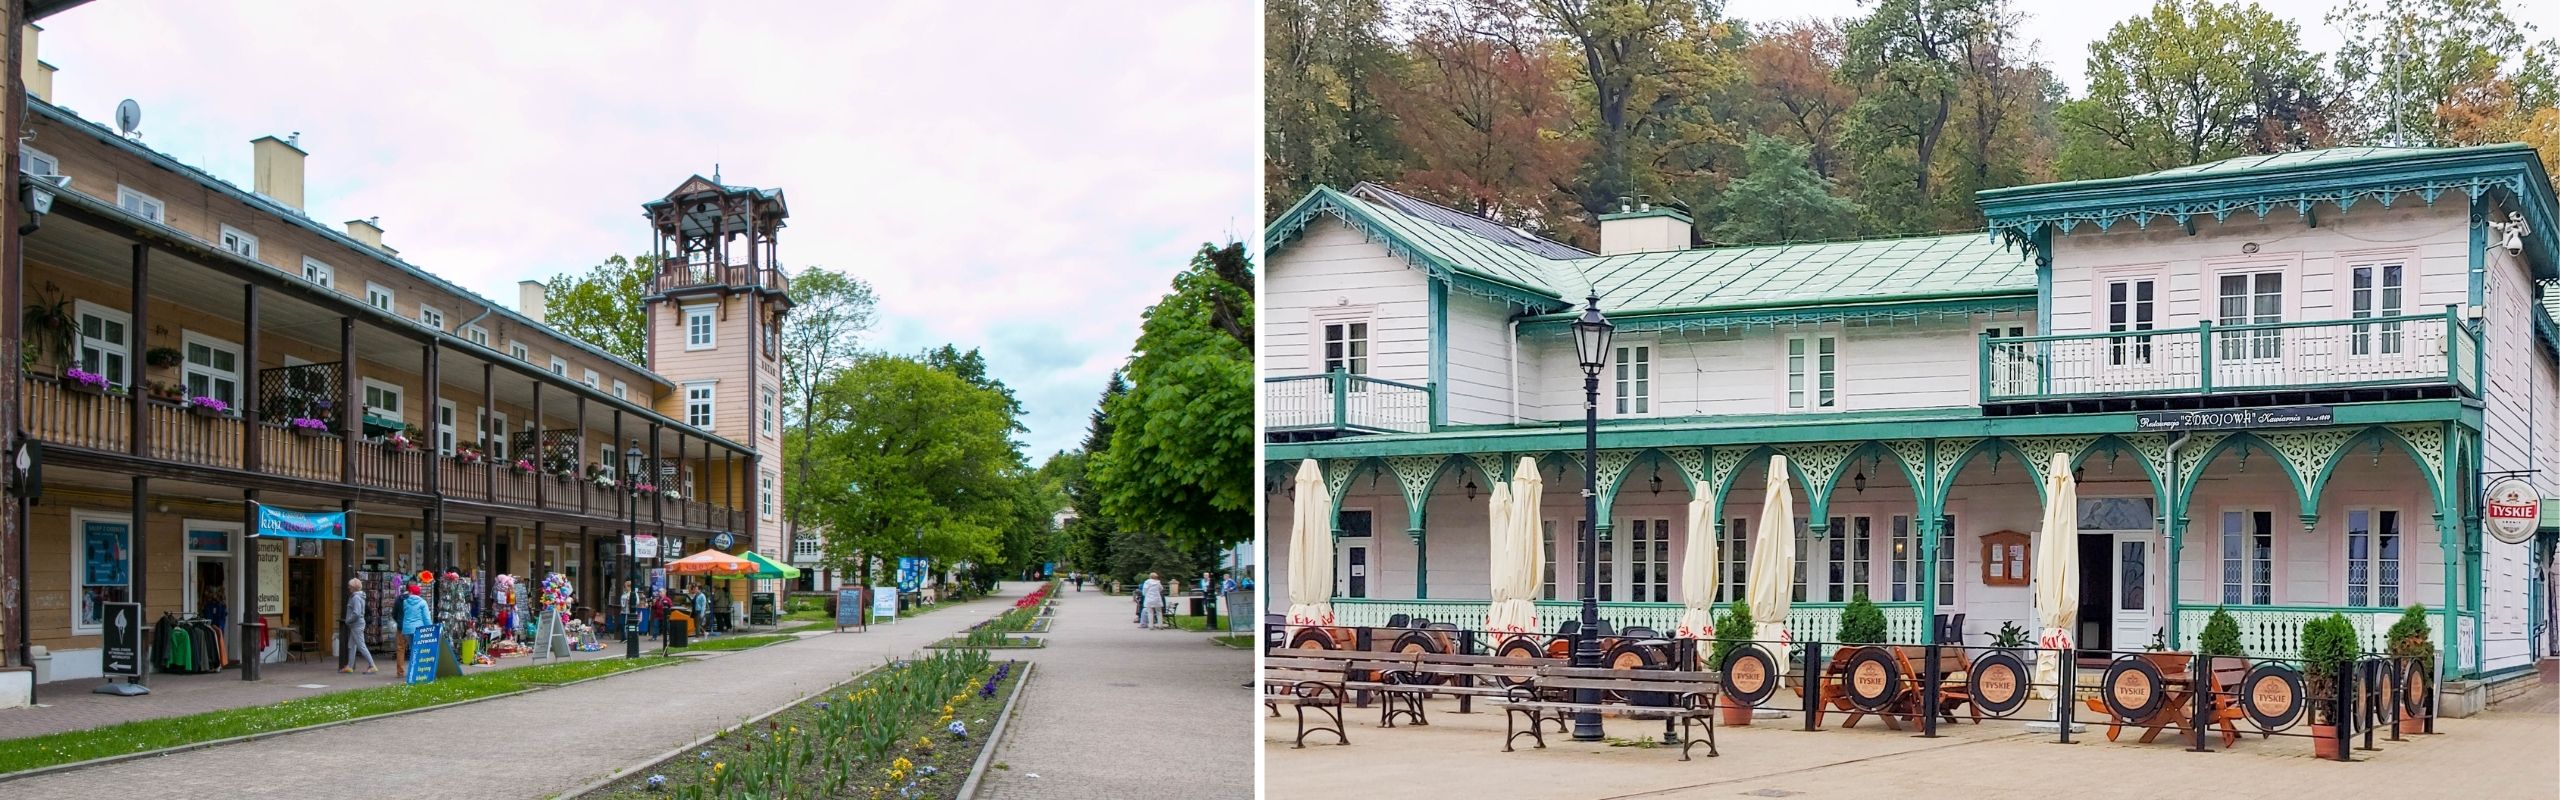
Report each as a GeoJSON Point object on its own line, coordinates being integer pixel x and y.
{"type": "Point", "coordinates": [1190, 622]}
{"type": "Point", "coordinates": [1238, 641]}
{"type": "Point", "coordinates": [730, 643]}
{"type": "Point", "coordinates": [814, 626]}
{"type": "Point", "coordinates": [154, 734]}
{"type": "Point", "coordinates": [814, 763]}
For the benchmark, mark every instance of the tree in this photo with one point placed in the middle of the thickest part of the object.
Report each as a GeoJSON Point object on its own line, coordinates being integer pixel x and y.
{"type": "Point", "coordinates": [602, 307]}
{"type": "Point", "coordinates": [972, 367]}
{"type": "Point", "coordinates": [1321, 124]}
{"type": "Point", "coordinates": [1780, 199]}
{"type": "Point", "coordinates": [1088, 533]}
{"type": "Point", "coordinates": [830, 311]}
{"type": "Point", "coordinates": [917, 462]}
{"type": "Point", "coordinates": [1180, 462]}
{"type": "Point", "coordinates": [1649, 66]}
{"type": "Point", "coordinates": [2189, 82]}
{"type": "Point", "coordinates": [1945, 109]}
{"type": "Point", "coordinates": [2403, 60]}
{"type": "Point", "coordinates": [1485, 121]}
{"type": "Point", "coordinates": [1795, 91]}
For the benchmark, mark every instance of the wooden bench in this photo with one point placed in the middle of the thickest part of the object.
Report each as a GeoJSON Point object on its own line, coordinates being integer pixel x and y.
{"type": "Point", "coordinates": [1304, 679]}
{"type": "Point", "coordinates": [1406, 679]}
{"type": "Point", "coordinates": [1691, 695]}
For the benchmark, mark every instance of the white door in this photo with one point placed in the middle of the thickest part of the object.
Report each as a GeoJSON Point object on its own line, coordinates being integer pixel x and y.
{"type": "Point", "coordinates": [2134, 605]}
{"type": "Point", "coordinates": [2249, 357]}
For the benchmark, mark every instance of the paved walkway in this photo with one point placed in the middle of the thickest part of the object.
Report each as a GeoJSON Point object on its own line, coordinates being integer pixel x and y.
{"type": "Point", "coordinates": [2498, 754]}
{"type": "Point", "coordinates": [1116, 712]}
{"type": "Point", "coordinates": [532, 745]}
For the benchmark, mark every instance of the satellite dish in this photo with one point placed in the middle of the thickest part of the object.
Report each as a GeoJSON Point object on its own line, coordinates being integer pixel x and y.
{"type": "Point", "coordinates": [128, 117]}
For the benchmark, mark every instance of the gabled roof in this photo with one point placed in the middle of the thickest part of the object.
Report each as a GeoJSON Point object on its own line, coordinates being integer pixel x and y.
{"type": "Point", "coordinates": [1480, 227]}
{"type": "Point", "coordinates": [1467, 261]}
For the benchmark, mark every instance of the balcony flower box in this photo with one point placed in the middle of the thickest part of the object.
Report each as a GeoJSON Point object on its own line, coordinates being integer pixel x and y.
{"type": "Point", "coordinates": [399, 443]}
{"type": "Point", "coordinates": [84, 381]}
{"type": "Point", "coordinates": [466, 456]}
{"type": "Point", "coordinates": [307, 426]}
{"type": "Point", "coordinates": [207, 406]}
{"type": "Point", "coordinates": [524, 466]}
{"type": "Point", "coordinates": [644, 489]}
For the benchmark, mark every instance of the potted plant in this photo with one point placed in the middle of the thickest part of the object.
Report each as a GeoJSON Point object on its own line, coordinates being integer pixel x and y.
{"type": "Point", "coordinates": [2013, 640]}
{"type": "Point", "coordinates": [307, 425]}
{"type": "Point", "coordinates": [638, 489]}
{"type": "Point", "coordinates": [466, 454]}
{"type": "Point", "coordinates": [163, 357]}
{"type": "Point", "coordinates": [2328, 644]}
{"type": "Point", "coordinates": [50, 323]}
{"type": "Point", "coordinates": [524, 466]}
{"type": "Point", "coordinates": [2412, 639]}
{"type": "Point", "coordinates": [84, 381]}
{"type": "Point", "coordinates": [1732, 631]}
{"type": "Point", "coordinates": [170, 393]}
{"type": "Point", "coordinates": [208, 406]}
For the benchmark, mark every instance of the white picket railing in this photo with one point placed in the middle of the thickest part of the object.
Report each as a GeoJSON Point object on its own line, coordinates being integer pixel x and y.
{"type": "Point", "coordinates": [2276, 632]}
{"type": "Point", "coordinates": [1904, 622]}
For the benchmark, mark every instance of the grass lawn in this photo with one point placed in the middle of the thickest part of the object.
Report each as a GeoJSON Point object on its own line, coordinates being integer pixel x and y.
{"type": "Point", "coordinates": [814, 626]}
{"type": "Point", "coordinates": [1238, 641]}
{"type": "Point", "coordinates": [1193, 623]}
{"type": "Point", "coordinates": [153, 734]}
{"type": "Point", "coordinates": [811, 615]}
{"type": "Point", "coordinates": [729, 643]}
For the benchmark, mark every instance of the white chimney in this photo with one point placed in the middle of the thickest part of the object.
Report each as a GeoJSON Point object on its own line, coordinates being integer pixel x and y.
{"type": "Point", "coordinates": [1639, 226]}
{"type": "Point", "coordinates": [368, 231]}
{"type": "Point", "coordinates": [37, 74]}
{"type": "Point", "coordinates": [278, 167]}
{"type": "Point", "coordinates": [531, 300]}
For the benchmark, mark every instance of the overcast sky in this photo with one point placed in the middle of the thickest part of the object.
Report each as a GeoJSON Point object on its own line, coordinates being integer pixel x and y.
{"type": "Point", "coordinates": [1019, 177]}
{"type": "Point", "coordinates": [2063, 29]}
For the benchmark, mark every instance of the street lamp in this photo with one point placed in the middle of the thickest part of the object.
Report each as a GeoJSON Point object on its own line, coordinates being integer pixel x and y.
{"type": "Point", "coordinates": [1591, 345]}
{"type": "Point", "coordinates": [631, 533]}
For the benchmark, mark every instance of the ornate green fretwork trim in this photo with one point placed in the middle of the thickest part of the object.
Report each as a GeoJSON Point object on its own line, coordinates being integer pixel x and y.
{"type": "Point", "coordinates": [1725, 461]}
{"type": "Point", "coordinates": [1693, 466]}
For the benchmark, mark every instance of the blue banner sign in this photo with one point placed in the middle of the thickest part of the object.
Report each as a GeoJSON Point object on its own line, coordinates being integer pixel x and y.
{"type": "Point", "coordinates": [425, 644]}
{"type": "Point", "coordinates": [279, 523]}
{"type": "Point", "coordinates": [910, 573]}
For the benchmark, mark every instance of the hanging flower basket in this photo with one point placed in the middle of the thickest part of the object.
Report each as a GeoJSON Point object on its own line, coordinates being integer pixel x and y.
{"type": "Point", "coordinates": [307, 426]}
{"type": "Point", "coordinates": [524, 466]}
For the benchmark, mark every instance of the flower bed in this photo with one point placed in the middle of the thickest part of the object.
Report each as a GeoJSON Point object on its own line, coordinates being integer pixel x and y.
{"type": "Point", "coordinates": [907, 730]}
{"type": "Point", "coordinates": [995, 633]}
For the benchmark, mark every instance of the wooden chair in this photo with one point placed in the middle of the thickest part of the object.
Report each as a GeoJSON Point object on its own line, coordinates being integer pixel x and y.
{"type": "Point", "coordinates": [1953, 670]}
{"type": "Point", "coordinates": [2177, 701]}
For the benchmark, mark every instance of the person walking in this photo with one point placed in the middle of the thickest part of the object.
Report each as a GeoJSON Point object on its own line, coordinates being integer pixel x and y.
{"type": "Point", "coordinates": [701, 603]}
{"type": "Point", "coordinates": [354, 631]}
{"type": "Point", "coordinates": [414, 616]}
{"type": "Point", "coordinates": [658, 608]}
{"type": "Point", "coordinates": [1079, 581]}
{"type": "Point", "coordinates": [1151, 594]}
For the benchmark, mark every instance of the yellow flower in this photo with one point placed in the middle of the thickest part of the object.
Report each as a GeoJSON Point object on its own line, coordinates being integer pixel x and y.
{"type": "Point", "coordinates": [717, 767]}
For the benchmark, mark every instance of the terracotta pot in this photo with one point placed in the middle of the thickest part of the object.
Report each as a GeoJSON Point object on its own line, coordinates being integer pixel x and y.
{"type": "Point", "coordinates": [1731, 712]}
{"type": "Point", "coordinates": [2413, 725]}
{"type": "Point", "coordinates": [2324, 741]}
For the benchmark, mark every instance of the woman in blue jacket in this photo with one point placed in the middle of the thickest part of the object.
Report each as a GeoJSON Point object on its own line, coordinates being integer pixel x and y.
{"type": "Point", "coordinates": [413, 616]}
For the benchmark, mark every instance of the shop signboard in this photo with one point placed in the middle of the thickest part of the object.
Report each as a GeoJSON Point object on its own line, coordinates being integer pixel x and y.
{"type": "Point", "coordinates": [122, 651]}
{"type": "Point", "coordinates": [760, 609]}
{"type": "Point", "coordinates": [2234, 419]}
{"type": "Point", "coordinates": [910, 573]}
{"type": "Point", "coordinates": [884, 603]}
{"type": "Point", "coordinates": [270, 576]}
{"type": "Point", "coordinates": [425, 645]}
{"type": "Point", "coordinates": [848, 608]}
{"type": "Point", "coordinates": [2515, 509]}
{"type": "Point", "coordinates": [644, 546]}
{"type": "Point", "coordinates": [288, 524]}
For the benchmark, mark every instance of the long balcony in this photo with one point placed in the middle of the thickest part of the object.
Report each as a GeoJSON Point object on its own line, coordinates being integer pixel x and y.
{"type": "Point", "coordinates": [2432, 355]}
{"type": "Point", "coordinates": [681, 275]}
{"type": "Point", "coordinates": [1339, 404]}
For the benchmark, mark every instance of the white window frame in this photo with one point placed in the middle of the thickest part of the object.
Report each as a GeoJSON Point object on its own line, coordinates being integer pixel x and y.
{"type": "Point", "coordinates": [517, 349]}
{"type": "Point", "coordinates": [80, 564]}
{"type": "Point", "coordinates": [448, 426]}
{"type": "Point", "coordinates": [2234, 552]}
{"type": "Point", "coordinates": [1632, 377]}
{"type": "Point", "coordinates": [590, 378]}
{"type": "Point", "coordinates": [2377, 299]}
{"type": "Point", "coordinates": [188, 369]}
{"type": "Point", "coordinates": [1902, 565]}
{"type": "Point", "coordinates": [1946, 575]}
{"type": "Point", "coordinates": [239, 242]}
{"type": "Point", "coordinates": [2137, 314]}
{"type": "Point", "coordinates": [123, 351]}
{"type": "Point", "coordinates": [145, 206]}
{"type": "Point", "coordinates": [768, 408]}
{"type": "Point", "coordinates": [431, 317]}
{"type": "Point", "coordinates": [388, 389]}
{"type": "Point", "coordinates": [29, 158]}
{"type": "Point", "coordinates": [380, 296]}
{"type": "Point", "coordinates": [319, 272]}
{"type": "Point", "coordinates": [1357, 353]}
{"type": "Point", "coordinates": [765, 497]}
{"type": "Point", "coordinates": [621, 390]}
{"type": "Point", "coordinates": [560, 366]}
{"type": "Point", "coordinates": [1801, 389]}
{"type": "Point", "coordinates": [475, 335]}
{"type": "Point", "coordinates": [710, 401]}
{"type": "Point", "coordinates": [1547, 543]}
{"type": "Point", "coordinates": [1733, 559]}
{"type": "Point", "coordinates": [493, 435]}
{"type": "Point", "coordinates": [2383, 588]}
{"type": "Point", "coordinates": [708, 336]}
{"type": "Point", "coordinates": [2263, 346]}
{"type": "Point", "coordinates": [1633, 580]}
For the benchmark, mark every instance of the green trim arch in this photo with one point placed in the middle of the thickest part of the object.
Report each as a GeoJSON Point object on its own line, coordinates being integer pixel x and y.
{"type": "Point", "coordinates": [2378, 435]}
{"type": "Point", "coordinates": [2309, 503]}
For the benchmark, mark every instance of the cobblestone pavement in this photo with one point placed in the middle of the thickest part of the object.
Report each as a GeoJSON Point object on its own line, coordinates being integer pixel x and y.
{"type": "Point", "coordinates": [532, 745]}
{"type": "Point", "coordinates": [2499, 754]}
{"type": "Point", "coordinates": [1118, 712]}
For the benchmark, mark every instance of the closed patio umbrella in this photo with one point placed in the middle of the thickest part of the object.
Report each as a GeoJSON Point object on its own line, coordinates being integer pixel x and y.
{"type": "Point", "coordinates": [2057, 572]}
{"type": "Point", "coordinates": [1771, 582]}
{"type": "Point", "coordinates": [1698, 576]}
{"type": "Point", "coordinates": [1310, 549]}
{"type": "Point", "coordinates": [1527, 487]}
{"type": "Point", "coordinates": [1512, 603]}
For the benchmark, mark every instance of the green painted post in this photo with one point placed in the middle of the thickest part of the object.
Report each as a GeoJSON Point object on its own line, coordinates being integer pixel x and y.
{"type": "Point", "coordinates": [1983, 367]}
{"type": "Point", "coordinates": [2204, 352]}
{"type": "Point", "coordinates": [2453, 355]}
{"type": "Point", "coordinates": [1421, 562]}
{"type": "Point", "coordinates": [2174, 526]}
{"type": "Point", "coordinates": [1341, 383]}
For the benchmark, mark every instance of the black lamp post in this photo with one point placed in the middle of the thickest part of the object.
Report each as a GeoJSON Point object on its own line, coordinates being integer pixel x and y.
{"type": "Point", "coordinates": [631, 534]}
{"type": "Point", "coordinates": [1591, 345]}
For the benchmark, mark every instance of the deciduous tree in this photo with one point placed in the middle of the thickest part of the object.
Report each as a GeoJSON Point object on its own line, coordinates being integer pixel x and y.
{"type": "Point", "coordinates": [602, 307]}
{"type": "Point", "coordinates": [1180, 461]}
{"type": "Point", "coordinates": [1482, 113]}
{"type": "Point", "coordinates": [919, 462]}
{"type": "Point", "coordinates": [2187, 82]}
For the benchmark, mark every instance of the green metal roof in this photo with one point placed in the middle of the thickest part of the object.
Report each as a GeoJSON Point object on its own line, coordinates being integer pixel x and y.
{"type": "Point", "coordinates": [2265, 164]}
{"type": "Point", "coordinates": [1820, 272]}
{"type": "Point", "coordinates": [1448, 253]}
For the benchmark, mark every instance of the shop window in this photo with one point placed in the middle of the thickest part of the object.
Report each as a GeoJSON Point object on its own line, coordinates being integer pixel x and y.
{"type": "Point", "coordinates": [2248, 557]}
{"type": "Point", "coordinates": [2373, 557]}
{"type": "Point", "coordinates": [102, 570]}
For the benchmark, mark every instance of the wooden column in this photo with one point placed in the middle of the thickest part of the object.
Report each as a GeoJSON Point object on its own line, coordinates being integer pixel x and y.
{"type": "Point", "coordinates": [435, 411]}
{"type": "Point", "coordinates": [138, 568]}
{"type": "Point", "coordinates": [350, 401]}
{"type": "Point", "coordinates": [433, 561]}
{"type": "Point", "coordinates": [252, 447]}
{"type": "Point", "coordinates": [488, 540]}
{"type": "Point", "coordinates": [141, 311]}
{"type": "Point", "coordinates": [542, 451]}
{"type": "Point", "coordinates": [244, 562]}
{"type": "Point", "coordinates": [657, 499]}
{"type": "Point", "coordinates": [488, 442]}
{"type": "Point", "coordinates": [584, 496]}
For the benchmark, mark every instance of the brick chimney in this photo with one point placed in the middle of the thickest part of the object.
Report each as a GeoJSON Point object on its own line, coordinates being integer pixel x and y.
{"type": "Point", "coordinates": [368, 231]}
{"type": "Point", "coordinates": [532, 300]}
{"type": "Point", "coordinates": [278, 167]}
{"type": "Point", "coordinates": [1639, 226]}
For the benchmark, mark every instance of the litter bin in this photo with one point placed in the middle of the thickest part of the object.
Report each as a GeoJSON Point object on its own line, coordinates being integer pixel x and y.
{"type": "Point", "coordinates": [679, 629]}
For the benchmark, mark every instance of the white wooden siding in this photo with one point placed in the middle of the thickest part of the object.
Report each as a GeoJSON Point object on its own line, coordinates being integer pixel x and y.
{"type": "Point", "coordinates": [1334, 267]}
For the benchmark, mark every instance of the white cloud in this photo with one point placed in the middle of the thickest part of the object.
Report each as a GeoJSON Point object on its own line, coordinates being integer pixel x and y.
{"type": "Point", "coordinates": [1023, 178]}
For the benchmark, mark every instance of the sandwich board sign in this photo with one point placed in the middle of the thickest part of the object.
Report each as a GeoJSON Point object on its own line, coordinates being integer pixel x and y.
{"type": "Point", "coordinates": [848, 608]}
{"type": "Point", "coordinates": [123, 648]}
{"type": "Point", "coordinates": [884, 603]}
{"type": "Point", "coordinates": [424, 646]}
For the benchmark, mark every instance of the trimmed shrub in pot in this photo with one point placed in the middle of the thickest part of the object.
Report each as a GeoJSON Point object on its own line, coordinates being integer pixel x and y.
{"type": "Point", "coordinates": [2328, 645]}
{"type": "Point", "coordinates": [2411, 638]}
{"type": "Point", "coordinates": [1732, 631]}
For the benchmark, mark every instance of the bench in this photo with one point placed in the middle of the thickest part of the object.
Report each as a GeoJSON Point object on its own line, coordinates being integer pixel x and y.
{"type": "Point", "coordinates": [1464, 676]}
{"type": "Point", "coordinates": [1691, 696]}
{"type": "Point", "coordinates": [1302, 681]}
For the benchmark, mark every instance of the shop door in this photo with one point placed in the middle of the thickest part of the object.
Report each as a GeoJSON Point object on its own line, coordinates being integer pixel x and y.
{"type": "Point", "coordinates": [2130, 603]}
{"type": "Point", "coordinates": [302, 588]}
{"type": "Point", "coordinates": [2096, 629]}
{"type": "Point", "coordinates": [1355, 570]}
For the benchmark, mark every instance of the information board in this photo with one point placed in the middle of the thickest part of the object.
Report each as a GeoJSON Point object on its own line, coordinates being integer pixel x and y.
{"type": "Point", "coordinates": [884, 603]}
{"type": "Point", "coordinates": [123, 648]}
{"type": "Point", "coordinates": [425, 645]}
{"type": "Point", "coordinates": [848, 608]}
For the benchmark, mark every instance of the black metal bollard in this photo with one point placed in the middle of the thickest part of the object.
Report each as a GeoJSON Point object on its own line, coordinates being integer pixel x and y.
{"type": "Point", "coordinates": [2067, 680]}
{"type": "Point", "coordinates": [2399, 674]}
{"type": "Point", "coordinates": [2341, 725]}
{"type": "Point", "coordinates": [2372, 670]}
{"type": "Point", "coordinates": [2200, 684]}
{"type": "Point", "coordinates": [1810, 686]}
{"type": "Point", "coordinates": [1929, 678]}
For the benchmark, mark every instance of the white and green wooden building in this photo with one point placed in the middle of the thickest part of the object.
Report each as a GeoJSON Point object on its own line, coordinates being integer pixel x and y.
{"type": "Point", "coordinates": [2284, 378]}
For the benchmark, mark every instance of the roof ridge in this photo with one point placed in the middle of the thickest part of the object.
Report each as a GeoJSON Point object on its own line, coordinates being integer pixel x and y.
{"type": "Point", "coordinates": [1357, 188]}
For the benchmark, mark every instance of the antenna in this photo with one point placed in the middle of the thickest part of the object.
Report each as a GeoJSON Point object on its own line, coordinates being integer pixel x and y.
{"type": "Point", "coordinates": [129, 118]}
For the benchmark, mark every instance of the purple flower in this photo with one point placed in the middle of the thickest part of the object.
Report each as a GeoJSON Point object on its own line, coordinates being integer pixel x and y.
{"type": "Point", "coordinates": [85, 378]}
{"type": "Point", "coordinates": [309, 424]}
{"type": "Point", "coordinates": [210, 402]}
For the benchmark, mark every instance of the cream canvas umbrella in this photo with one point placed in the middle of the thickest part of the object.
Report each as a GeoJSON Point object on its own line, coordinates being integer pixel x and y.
{"type": "Point", "coordinates": [1527, 486]}
{"type": "Point", "coordinates": [1698, 577]}
{"type": "Point", "coordinates": [2057, 572]}
{"type": "Point", "coordinates": [1310, 550]}
{"type": "Point", "coordinates": [1773, 559]}
{"type": "Point", "coordinates": [1514, 585]}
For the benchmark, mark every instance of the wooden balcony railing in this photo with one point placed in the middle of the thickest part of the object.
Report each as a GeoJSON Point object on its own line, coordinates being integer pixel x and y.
{"type": "Point", "coordinates": [310, 455]}
{"type": "Point", "coordinates": [676, 275]}
{"type": "Point", "coordinates": [183, 435]}
{"type": "Point", "coordinates": [62, 415]}
{"type": "Point", "coordinates": [384, 467]}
